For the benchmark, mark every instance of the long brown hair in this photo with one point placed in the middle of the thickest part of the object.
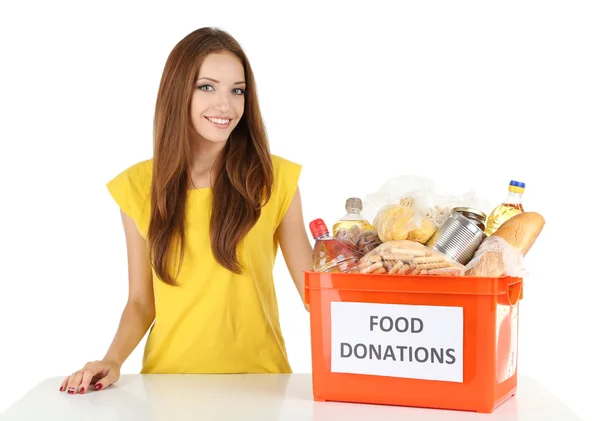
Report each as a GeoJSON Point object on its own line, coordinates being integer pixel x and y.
{"type": "Point", "coordinates": [243, 171]}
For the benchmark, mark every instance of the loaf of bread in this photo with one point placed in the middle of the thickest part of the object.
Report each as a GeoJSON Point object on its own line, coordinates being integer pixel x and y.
{"type": "Point", "coordinates": [502, 252]}
{"type": "Point", "coordinates": [522, 230]}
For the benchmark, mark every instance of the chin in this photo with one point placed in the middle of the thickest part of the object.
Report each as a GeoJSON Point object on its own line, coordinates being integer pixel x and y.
{"type": "Point", "coordinates": [216, 139]}
{"type": "Point", "coordinates": [211, 137]}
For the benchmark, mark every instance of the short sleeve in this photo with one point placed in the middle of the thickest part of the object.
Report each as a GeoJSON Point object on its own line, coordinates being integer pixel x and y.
{"type": "Point", "coordinates": [130, 190]}
{"type": "Point", "coordinates": [286, 177]}
{"type": "Point", "coordinates": [120, 189]}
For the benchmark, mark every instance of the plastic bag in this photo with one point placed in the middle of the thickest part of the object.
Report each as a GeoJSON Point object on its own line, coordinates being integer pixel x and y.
{"type": "Point", "coordinates": [410, 208]}
{"type": "Point", "coordinates": [399, 190]}
{"type": "Point", "coordinates": [408, 258]}
{"type": "Point", "coordinates": [395, 222]}
{"type": "Point", "coordinates": [495, 257]}
{"type": "Point", "coordinates": [360, 242]}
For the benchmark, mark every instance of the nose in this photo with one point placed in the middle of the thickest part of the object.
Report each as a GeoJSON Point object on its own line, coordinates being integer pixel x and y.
{"type": "Point", "coordinates": [223, 101]}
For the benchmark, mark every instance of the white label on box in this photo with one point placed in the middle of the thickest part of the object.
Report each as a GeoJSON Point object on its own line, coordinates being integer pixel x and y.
{"type": "Point", "coordinates": [397, 340]}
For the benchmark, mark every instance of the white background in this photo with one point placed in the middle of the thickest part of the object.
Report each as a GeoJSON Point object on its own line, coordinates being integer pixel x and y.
{"type": "Point", "coordinates": [468, 94]}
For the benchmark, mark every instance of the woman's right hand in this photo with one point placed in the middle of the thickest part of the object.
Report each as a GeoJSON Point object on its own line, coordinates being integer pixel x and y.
{"type": "Point", "coordinates": [98, 374]}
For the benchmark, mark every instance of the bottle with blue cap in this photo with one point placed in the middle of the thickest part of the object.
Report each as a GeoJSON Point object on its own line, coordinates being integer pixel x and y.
{"type": "Point", "coordinates": [510, 206]}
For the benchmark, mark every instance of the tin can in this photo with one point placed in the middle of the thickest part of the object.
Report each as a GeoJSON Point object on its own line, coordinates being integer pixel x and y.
{"type": "Point", "coordinates": [474, 215]}
{"type": "Point", "coordinates": [459, 238]}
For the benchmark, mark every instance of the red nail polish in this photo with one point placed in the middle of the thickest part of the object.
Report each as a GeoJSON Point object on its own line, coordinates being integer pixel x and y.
{"type": "Point", "coordinates": [62, 388]}
{"type": "Point", "coordinates": [98, 386]}
{"type": "Point", "coordinates": [82, 390]}
{"type": "Point", "coordinates": [71, 392]}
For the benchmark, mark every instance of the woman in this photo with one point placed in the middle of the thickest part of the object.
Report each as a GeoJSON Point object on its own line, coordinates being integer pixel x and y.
{"type": "Point", "coordinates": [203, 221]}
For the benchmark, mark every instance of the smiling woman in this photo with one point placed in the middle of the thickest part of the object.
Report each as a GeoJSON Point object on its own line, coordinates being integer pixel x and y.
{"type": "Point", "coordinates": [203, 220]}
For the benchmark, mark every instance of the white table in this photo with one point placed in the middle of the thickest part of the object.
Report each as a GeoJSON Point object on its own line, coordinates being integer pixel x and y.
{"type": "Point", "coordinates": [263, 397]}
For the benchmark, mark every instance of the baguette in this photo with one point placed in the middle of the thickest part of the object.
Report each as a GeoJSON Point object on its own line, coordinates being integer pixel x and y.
{"type": "Point", "coordinates": [522, 230]}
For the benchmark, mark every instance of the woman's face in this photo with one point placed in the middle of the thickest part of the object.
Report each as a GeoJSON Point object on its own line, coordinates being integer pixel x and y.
{"type": "Point", "coordinates": [218, 98]}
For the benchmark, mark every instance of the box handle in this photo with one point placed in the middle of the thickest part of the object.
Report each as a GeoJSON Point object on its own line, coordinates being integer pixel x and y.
{"type": "Point", "coordinates": [306, 294]}
{"type": "Point", "coordinates": [514, 293]}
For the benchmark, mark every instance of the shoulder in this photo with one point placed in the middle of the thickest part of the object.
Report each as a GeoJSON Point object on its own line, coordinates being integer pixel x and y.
{"type": "Point", "coordinates": [131, 187]}
{"type": "Point", "coordinates": [140, 171]}
{"type": "Point", "coordinates": [286, 174]}
{"type": "Point", "coordinates": [283, 167]}
{"type": "Point", "coordinates": [137, 176]}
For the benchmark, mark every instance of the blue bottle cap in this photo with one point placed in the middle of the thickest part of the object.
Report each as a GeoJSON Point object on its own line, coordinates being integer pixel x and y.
{"type": "Point", "coordinates": [517, 183]}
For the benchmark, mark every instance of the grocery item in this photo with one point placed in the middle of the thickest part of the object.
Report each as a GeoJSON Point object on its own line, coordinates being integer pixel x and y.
{"type": "Point", "coordinates": [408, 258]}
{"type": "Point", "coordinates": [395, 222]}
{"type": "Point", "coordinates": [511, 205]}
{"type": "Point", "coordinates": [474, 215]}
{"type": "Point", "coordinates": [458, 238]}
{"type": "Point", "coordinates": [354, 229]}
{"type": "Point", "coordinates": [367, 241]}
{"type": "Point", "coordinates": [437, 214]}
{"type": "Point", "coordinates": [522, 230]}
{"type": "Point", "coordinates": [502, 253]}
{"type": "Point", "coordinates": [330, 254]}
{"type": "Point", "coordinates": [353, 220]}
{"type": "Point", "coordinates": [494, 258]}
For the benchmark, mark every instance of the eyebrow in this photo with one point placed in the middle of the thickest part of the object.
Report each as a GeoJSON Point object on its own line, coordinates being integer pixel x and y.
{"type": "Point", "coordinates": [216, 81]}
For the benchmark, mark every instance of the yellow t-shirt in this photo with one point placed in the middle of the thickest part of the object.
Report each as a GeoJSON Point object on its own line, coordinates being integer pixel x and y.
{"type": "Point", "coordinates": [217, 321]}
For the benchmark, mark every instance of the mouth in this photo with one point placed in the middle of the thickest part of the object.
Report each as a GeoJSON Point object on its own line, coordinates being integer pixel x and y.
{"type": "Point", "coordinates": [220, 122]}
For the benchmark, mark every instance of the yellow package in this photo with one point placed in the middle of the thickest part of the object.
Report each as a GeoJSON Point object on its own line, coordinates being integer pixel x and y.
{"type": "Point", "coordinates": [396, 222]}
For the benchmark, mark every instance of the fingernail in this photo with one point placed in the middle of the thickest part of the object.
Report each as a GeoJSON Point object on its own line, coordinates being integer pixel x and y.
{"type": "Point", "coordinates": [71, 392]}
{"type": "Point", "coordinates": [62, 388]}
{"type": "Point", "coordinates": [82, 390]}
{"type": "Point", "coordinates": [98, 386]}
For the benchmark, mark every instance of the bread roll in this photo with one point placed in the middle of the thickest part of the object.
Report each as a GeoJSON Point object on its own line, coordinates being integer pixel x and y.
{"type": "Point", "coordinates": [522, 230]}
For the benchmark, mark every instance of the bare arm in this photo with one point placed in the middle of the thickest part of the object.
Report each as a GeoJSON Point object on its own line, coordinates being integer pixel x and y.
{"type": "Point", "coordinates": [295, 245]}
{"type": "Point", "coordinates": [139, 311]}
{"type": "Point", "coordinates": [137, 317]}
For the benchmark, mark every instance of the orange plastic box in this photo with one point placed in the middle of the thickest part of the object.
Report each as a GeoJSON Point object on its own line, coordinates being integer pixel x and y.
{"type": "Point", "coordinates": [424, 341]}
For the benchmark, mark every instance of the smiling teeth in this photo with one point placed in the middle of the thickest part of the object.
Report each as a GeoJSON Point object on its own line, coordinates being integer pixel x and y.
{"type": "Point", "coordinates": [218, 120]}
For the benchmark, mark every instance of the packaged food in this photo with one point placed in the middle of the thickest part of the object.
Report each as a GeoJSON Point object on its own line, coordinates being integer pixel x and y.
{"type": "Point", "coordinates": [367, 241]}
{"type": "Point", "coordinates": [494, 258]}
{"type": "Point", "coordinates": [475, 215]}
{"type": "Point", "coordinates": [458, 238]}
{"type": "Point", "coordinates": [354, 229]}
{"type": "Point", "coordinates": [410, 208]}
{"type": "Point", "coordinates": [408, 258]}
{"type": "Point", "coordinates": [395, 222]}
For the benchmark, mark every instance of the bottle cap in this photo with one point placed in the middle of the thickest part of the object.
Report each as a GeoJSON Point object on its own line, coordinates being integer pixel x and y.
{"type": "Point", "coordinates": [353, 203]}
{"type": "Point", "coordinates": [318, 228]}
{"type": "Point", "coordinates": [516, 186]}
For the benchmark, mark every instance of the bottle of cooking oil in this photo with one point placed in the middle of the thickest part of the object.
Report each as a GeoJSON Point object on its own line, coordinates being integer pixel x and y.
{"type": "Point", "coordinates": [331, 254]}
{"type": "Point", "coordinates": [510, 206]}
{"type": "Point", "coordinates": [354, 222]}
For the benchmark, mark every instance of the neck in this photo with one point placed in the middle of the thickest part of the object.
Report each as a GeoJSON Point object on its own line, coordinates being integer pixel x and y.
{"type": "Point", "coordinates": [204, 156]}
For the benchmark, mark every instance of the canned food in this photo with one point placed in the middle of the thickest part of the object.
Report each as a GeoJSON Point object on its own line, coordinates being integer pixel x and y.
{"type": "Point", "coordinates": [474, 215]}
{"type": "Point", "coordinates": [459, 238]}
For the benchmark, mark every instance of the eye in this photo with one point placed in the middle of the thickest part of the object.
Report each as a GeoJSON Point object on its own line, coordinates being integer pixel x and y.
{"type": "Point", "coordinates": [206, 88]}
{"type": "Point", "coordinates": [239, 91]}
